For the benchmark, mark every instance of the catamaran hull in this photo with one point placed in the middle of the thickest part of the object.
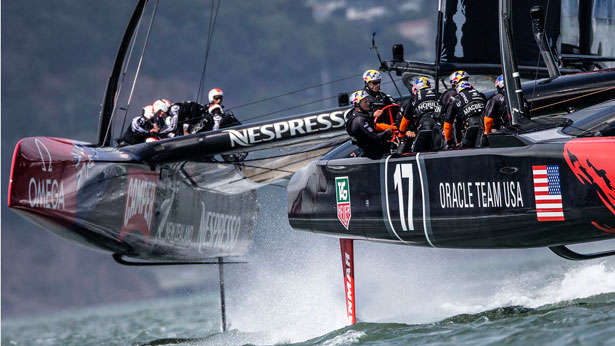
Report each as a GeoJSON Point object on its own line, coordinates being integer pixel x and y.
{"type": "Point", "coordinates": [109, 200]}
{"type": "Point", "coordinates": [534, 196]}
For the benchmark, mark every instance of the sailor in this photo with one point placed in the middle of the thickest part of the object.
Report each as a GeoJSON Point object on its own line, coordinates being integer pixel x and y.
{"type": "Point", "coordinates": [372, 81]}
{"type": "Point", "coordinates": [188, 114]}
{"type": "Point", "coordinates": [420, 113]}
{"type": "Point", "coordinates": [141, 127]}
{"type": "Point", "coordinates": [220, 118]}
{"type": "Point", "coordinates": [464, 112]}
{"type": "Point", "coordinates": [449, 95]}
{"type": "Point", "coordinates": [215, 97]}
{"type": "Point", "coordinates": [361, 128]}
{"type": "Point", "coordinates": [166, 123]}
{"type": "Point", "coordinates": [496, 114]}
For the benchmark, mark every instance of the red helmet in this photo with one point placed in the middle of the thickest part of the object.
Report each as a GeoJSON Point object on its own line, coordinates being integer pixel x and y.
{"type": "Point", "coordinates": [214, 92]}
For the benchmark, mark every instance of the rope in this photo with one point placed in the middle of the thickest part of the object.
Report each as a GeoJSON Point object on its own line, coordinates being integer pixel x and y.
{"type": "Point", "coordinates": [297, 106]}
{"type": "Point", "coordinates": [134, 82]}
{"type": "Point", "coordinates": [125, 72]}
{"type": "Point", "coordinates": [574, 98]}
{"type": "Point", "coordinates": [213, 16]}
{"type": "Point", "coordinates": [295, 91]}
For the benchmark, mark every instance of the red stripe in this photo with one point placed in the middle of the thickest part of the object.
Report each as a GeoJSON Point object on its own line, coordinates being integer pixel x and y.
{"type": "Point", "coordinates": [540, 201]}
{"type": "Point", "coordinates": [557, 218]}
{"type": "Point", "coordinates": [550, 210]}
{"type": "Point", "coordinates": [540, 176]}
{"type": "Point", "coordinates": [541, 184]}
{"type": "Point", "coordinates": [539, 168]}
{"type": "Point", "coordinates": [549, 201]}
{"type": "Point", "coordinates": [536, 193]}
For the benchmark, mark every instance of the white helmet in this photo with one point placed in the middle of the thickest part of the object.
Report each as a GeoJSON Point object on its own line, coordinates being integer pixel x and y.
{"type": "Point", "coordinates": [161, 105]}
{"type": "Point", "coordinates": [148, 112]}
{"type": "Point", "coordinates": [214, 92]}
{"type": "Point", "coordinates": [212, 108]}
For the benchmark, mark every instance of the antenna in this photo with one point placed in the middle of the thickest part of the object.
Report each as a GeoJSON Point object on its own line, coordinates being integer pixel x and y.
{"type": "Point", "coordinates": [374, 47]}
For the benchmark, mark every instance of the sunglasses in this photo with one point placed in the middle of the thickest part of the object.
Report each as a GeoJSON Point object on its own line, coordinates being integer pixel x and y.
{"type": "Point", "coordinates": [376, 82]}
{"type": "Point", "coordinates": [217, 97]}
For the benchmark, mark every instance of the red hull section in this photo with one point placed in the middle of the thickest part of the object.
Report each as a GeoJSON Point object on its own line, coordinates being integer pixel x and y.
{"type": "Point", "coordinates": [108, 199]}
{"type": "Point", "coordinates": [43, 178]}
{"type": "Point", "coordinates": [592, 162]}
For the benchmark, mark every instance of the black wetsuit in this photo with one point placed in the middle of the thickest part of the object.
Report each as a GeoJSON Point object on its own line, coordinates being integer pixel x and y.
{"type": "Point", "coordinates": [496, 109]}
{"type": "Point", "coordinates": [360, 126]}
{"type": "Point", "coordinates": [466, 112]}
{"type": "Point", "coordinates": [188, 115]}
{"type": "Point", "coordinates": [379, 98]}
{"type": "Point", "coordinates": [422, 107]}
{"type": "Point", "coordinates": [138, 131]}
{"type": "Point", "coordinates": [445, 99]}
{"type": "Point", "coordinates": [422, 112]}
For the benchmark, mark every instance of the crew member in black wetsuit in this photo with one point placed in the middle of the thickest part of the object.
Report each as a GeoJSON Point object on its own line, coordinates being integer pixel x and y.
{"type": "Point", "coordinates": [360, 126]}
{"type": "Point", "coordinates": [449, 95]}
{"type": "Point", "coordinates": [420, 112]}
{"type": "Point", "coordinates": [464, 112]}
{"type": "Point", "coordinates": [372, 81]}
{"type": "Point", "coordinates": [496, 113]}
{"type": "Point", "coordinates": [188, 114]}
{"type": "Point", "coordinates": [220, 118]}
{"type": "Point", "coordinates": [141, 127]}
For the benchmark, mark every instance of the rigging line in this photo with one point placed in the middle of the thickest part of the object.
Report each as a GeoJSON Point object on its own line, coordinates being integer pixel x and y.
{"type": "Point", "coordinates": [574, 98]}
{"type": "Point", "coordinates": [119, 90]}
{"type": "Point", "coordinates": [134, 82]}
{"type": "Point", "coordinates": [289, 108]}
{"type": "Point", "coordinates": [212, 27]}
{"type": "Point", "coordinates": [268, 170]}
{"type": "Point", "coordinates": [201, 82]}
{"type": "Point", "coordinates": [297, 106]}
{"type": "Point", "coordinates": [323, 146]}
{"type": "Point", "coordinates": [294, 92]}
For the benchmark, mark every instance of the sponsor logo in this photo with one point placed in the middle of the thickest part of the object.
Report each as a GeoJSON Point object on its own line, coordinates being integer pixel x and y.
{"type": "Point", "coordinates": [43, 151]}
{"type": "Point", "coordinates": [140, 202]}
{"type": "Point", "coordinates": [342, 196]}
{"type": "Point", "coordinates": [218, 230]}
{"type": "Point", "coordinates": [349, 284]}
{"type": "Point", "coordinates": [428, 106]}
{"type": "Point", "coordinates": [179, 232]}
{"type": "Point", "coordinates": [43, 192]}
{"type": "Point", "coordinates": [46, 193]}
{"type": "Point", "coordinates": [346, 246]}
{"type": "Point", "coordinates": [480, 194]}
{"type": "Point", "coordinates": [548, 193]}
{"type": "Point", "coordinates": [473, 108]}
{"type": "Point", "coordinates": [285, 129]}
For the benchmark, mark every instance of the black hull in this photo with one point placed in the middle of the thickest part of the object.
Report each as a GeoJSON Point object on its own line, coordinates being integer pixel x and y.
{"type": "Point", "coordinates": [477, 198]}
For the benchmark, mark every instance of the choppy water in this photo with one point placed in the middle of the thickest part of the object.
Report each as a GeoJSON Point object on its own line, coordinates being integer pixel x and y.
{"type": "Point", "coordinates": [573, 308]}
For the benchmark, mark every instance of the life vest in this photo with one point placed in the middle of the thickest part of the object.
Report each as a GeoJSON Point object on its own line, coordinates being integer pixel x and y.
{"type": "Point", "coordinates": [425, 101]}
{"type": "Point", "coordinates": [471, 103]}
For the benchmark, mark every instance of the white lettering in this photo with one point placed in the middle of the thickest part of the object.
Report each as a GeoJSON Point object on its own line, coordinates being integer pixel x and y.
{"type": "Point", "coordinates": [46, 193]}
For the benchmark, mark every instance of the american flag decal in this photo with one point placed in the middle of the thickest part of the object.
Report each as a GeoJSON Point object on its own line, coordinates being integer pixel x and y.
{"type": "Point", "coordinates": [548, 193]}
